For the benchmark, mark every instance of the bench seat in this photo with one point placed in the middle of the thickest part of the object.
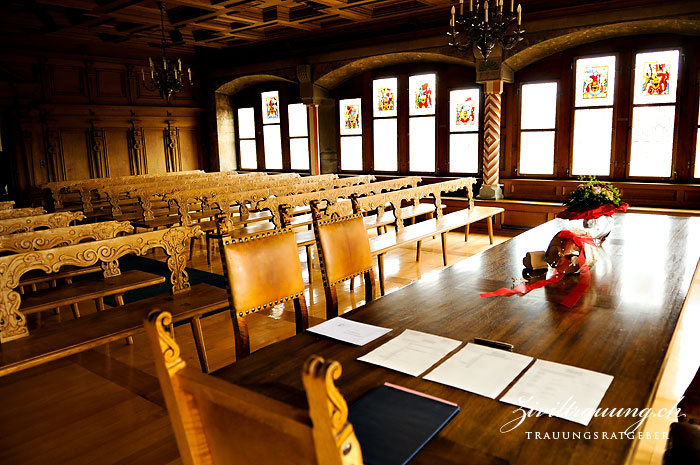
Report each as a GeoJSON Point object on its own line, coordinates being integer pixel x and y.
{"type": "Point", "coordinates": [95, 329]}
{"type": "Point", "coordinates": [89, 289]}
{"type": "Point", "coordinates": [415, 233]}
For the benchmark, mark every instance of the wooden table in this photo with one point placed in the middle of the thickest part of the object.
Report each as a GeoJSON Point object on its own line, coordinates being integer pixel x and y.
{"type": "Point", "coordinates": [622, 326]}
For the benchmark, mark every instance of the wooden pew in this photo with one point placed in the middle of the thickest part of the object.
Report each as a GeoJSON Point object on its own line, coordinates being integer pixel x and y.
{"type": "Point", "coordinates": [147, 197]}
{"type": "Point", "coordinates": [21, 212]}
{"type": "Point", "coordinates": [21, 350]}
{"type": "Point", "coordinates": [50, 238]}
{"type": "Point", "coordinates": [98, 193]}
{"type": "Point", "coordinates": [31, 223]}
{"type": "Point", "coordinates": [58, 189]}
{"type": "Point", "coordinates": [7, 205]}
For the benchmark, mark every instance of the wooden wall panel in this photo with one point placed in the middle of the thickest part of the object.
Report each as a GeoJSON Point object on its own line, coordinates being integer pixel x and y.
{"type": "Point", "coordinates": [155, 150]}
{"type": "Point", "coordinates": [75, 153]}
{"type": "Point", "coordinates": [189, 148]}
{"type": "Point", "coordinates": [118, 152]}
{"type": "Point", "coordinates": [111, 83]}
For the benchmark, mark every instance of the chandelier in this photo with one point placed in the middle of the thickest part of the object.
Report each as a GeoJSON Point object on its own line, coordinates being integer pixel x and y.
{"type": "Point", "coordinates": [484, 28]}
{"type": "Point", "coordinates": [165, 78]}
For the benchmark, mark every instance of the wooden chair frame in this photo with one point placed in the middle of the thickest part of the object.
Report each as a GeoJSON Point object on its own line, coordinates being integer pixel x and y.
{"type": "Point", "coordinates": [202, 409]}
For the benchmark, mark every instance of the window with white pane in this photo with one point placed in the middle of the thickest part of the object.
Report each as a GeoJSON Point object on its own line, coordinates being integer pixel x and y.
{"type": "Point", "coordinates": [421, 122]}
{"type": "Point", "coordinates": [350, 134]}
{"type": "Point", "coordinates": [247, 149]}
{"type": "Point", "coordinates": [654, 113]}
{"type": "Point", "coordinates": [593, 116]}
{"type": "Point", "coordinates": [272, 134]}
{"type": "Point", "coordinates": [298, 136]}
{"type": "Point", "coordinates": [464, 131]}
{"type": "Point", "coordinates": [538, 116]}
{"type": "Point", "coordinates": [385, 126]}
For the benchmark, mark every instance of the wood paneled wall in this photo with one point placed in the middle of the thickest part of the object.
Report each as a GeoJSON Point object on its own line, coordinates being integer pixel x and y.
{"type": "Point", "coordinates": [79, 118]}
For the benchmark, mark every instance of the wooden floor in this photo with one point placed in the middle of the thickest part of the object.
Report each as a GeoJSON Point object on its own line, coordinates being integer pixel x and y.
{"type": "Point", "coordinates": [104, 406]}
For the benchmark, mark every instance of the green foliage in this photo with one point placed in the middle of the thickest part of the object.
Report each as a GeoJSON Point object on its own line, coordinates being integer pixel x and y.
{"type": "Point", "coordinates": [593, 194]}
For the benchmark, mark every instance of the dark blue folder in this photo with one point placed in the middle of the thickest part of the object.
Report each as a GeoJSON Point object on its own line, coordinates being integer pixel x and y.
{"type": "Point", "coordinates": [393, 424]}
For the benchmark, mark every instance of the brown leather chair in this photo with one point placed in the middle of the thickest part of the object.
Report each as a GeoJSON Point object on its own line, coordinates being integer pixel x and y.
{"type": "Point", "coordinates": [262, 270]}
{"type": "Point", "coordinates": [216, 422]}
{"type": "Point", "coordinates": [343, 250]}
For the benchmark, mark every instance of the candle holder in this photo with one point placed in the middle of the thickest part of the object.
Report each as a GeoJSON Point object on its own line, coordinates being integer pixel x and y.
{"type": "Point", "coordinates": [165, 78]}
{"type": "Point", "coordinates": [485, 27]}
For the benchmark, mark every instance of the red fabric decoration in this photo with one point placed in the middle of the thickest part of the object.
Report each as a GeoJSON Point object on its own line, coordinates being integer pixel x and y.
{"type": "Point", "coordinates": [603, 210]}
{"type": "Point", "coordinates": [584, 279]}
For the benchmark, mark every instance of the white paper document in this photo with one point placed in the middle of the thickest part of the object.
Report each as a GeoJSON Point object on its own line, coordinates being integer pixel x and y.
{"type": "Point", "coordinates": [350, 331]}
{"type": "Point", "coordinates": [412, 352]}
{"type": "Point", "coordinates": [560, 391]}
{"type": "Point", "coordinates": [482, 370]}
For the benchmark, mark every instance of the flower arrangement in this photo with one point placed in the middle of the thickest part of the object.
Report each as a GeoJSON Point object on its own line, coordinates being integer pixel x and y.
{"type": "Point", "coordinates": [593, 199]}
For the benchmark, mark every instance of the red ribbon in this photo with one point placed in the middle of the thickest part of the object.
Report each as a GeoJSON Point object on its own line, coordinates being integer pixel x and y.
{"type": "Point", "coordinates": [593, 213]}
{"type": "Point", "coordinates": [559, 273]}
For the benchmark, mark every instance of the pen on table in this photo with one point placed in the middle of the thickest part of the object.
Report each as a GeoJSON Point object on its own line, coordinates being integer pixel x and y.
{"type": "Point", "coordinates": [494, 344]}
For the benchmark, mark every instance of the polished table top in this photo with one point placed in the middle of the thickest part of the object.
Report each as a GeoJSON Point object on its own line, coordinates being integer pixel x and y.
{"type": "Point", "coordinates": [622, 326]}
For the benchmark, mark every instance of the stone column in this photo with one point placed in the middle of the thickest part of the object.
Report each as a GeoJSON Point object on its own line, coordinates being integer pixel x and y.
{"type": "Point", "coordinates": [490, 189]}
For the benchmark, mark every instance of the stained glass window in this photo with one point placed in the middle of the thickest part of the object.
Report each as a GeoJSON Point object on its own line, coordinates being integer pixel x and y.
{"type": "Point", "coordinates": [593, 116]}
{"type": "Point", "coordinates": [298, 136]}
{"type": "Point", "coordinates": [538, 115]}
{"type": "Point", "coordinates": [595, 81]}
{"type": "Point", "coordinates": [656, 77]}
{"type": "Point", "coordinates": [350, 134]}
{"type": "Point", "coordinates": [246, 139]}
{"type": "Point", "coordinates": [654, 113]}
{"type": "Point", "coordinates": [384, 99]}
{"type": "Point", "coordinates": [270, 107]}
{"type": "Point", "coordinates": [422, 96]}
{"type": "Point", "coordinates": [464, 118]}
{"type": "Point", "coordinates": [385, 125]}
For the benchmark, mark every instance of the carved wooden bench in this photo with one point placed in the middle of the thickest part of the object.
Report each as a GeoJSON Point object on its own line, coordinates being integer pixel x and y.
{"type": "Point", "coordinates": [21, 212]}
{"type": "Point", "coordinates": [7, 205]}
{"type": "Point", "coordinates": [21, 350]}
{"type": "Point", "coordinates": [58, 189]}
{"type": "Point", "coordinates": [105, 193]}
{"type": "Point", "coordinates": [46, 221]}
{"type": "Point", "coordinates": [50, 238]}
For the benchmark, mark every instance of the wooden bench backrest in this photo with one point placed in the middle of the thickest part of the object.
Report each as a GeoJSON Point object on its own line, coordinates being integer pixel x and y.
{"type": "Point", "coordinates": [225, 202]}
{"type": "Point", "coordinates": [148, 197]}
{"type": "Point", "coordinates": [7, 205]}
{"type": "Point", "coordinates": [58, 188]}
{"type": "Point", "coordinates": [106, 189]}
{"type": "Point", "coordinates": [174, 241]}
{"type": "Point", "coordinates": [21, 212]}
{"type": "Point", "coordinates": [395, 199]}
{"type": "Point", "coordinates": [30, 223]}
{"type": "Point", "coordinates": [216, 422]}
{"type": "Point", "coordinates": [331, 196]}
{"type": "Point", "coordinates": [50, 238]}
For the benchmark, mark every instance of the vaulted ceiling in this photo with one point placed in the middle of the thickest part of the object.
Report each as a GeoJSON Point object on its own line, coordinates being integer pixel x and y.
{"type": "Point", "coordinates": [135, 24]}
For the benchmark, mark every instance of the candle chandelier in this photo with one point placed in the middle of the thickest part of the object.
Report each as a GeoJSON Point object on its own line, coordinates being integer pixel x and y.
{"type": "Point", "coordinates": [166, 77]}
{"type": "Point", "coordinates": [485, 26]}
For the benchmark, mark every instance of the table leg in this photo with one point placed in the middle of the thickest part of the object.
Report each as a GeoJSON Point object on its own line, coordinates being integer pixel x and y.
{"type": "Point", "coordinates": [443, 238]}
{"type": "Point", "coordinates": [489, 223]}
{"type": "Point", "coordinates": [380, 263]}
{"type": "Point", "coordinates": [199, 343]}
